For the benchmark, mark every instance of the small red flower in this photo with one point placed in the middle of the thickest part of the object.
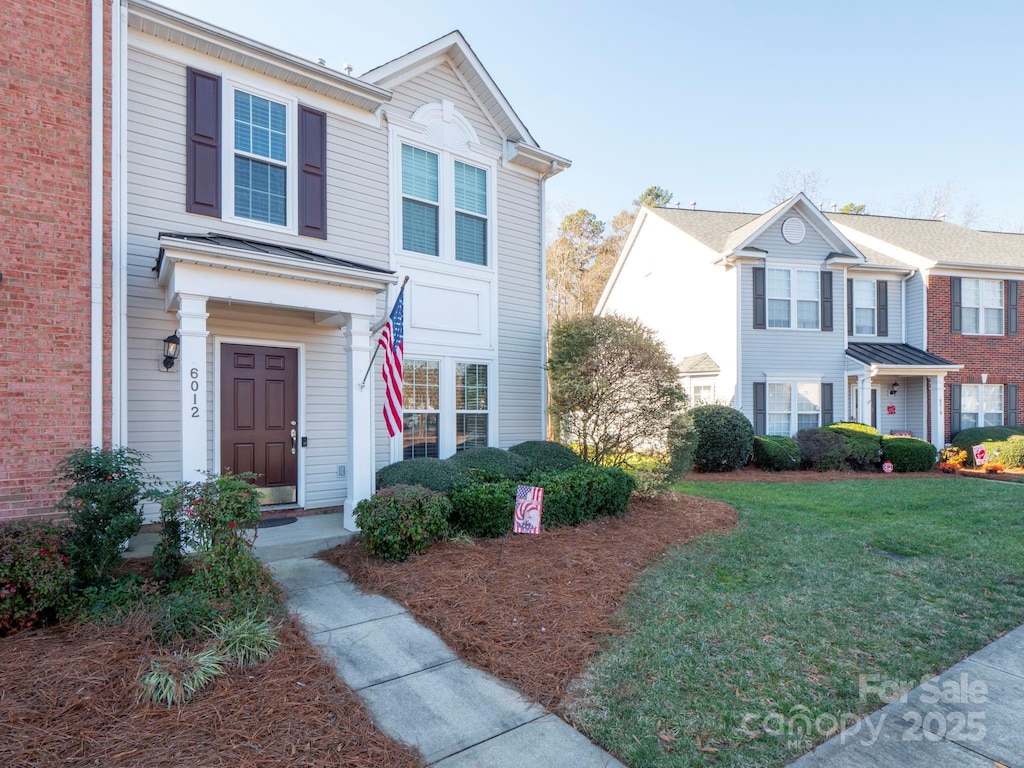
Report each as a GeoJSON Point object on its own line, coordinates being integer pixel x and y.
{"type": "Point", "coordinates": [231, 524]}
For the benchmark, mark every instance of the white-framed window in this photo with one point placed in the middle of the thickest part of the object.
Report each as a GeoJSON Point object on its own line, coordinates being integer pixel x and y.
{"type": "Point", "coordinates": [446, 406]}
{"type": "Point", "coordinates": [260, 157]}
{"type": "Point", "coordinates": [793, 297]}
{"type": "Point", "coordinates": [981, 307]}
{"type": "Point", "coordinates": [702, 394]}
{"type": "Point", "coordinates": [981, 405]}
{"type": "Point", "coordinates": [864, 309]}
{"type": "Point", "coordinates": [421, 201]}
{"type": "Point", "coordinates": [792, 406]}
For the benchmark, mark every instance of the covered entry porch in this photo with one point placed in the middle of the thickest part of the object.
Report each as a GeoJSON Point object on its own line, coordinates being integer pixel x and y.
{"type": "Point", "coordinates": [898, 389]}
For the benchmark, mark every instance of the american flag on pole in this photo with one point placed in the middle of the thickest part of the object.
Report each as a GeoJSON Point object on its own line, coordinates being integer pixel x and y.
{"type": "Point", "coordinates": [393, 340]}
{"type": "Point", "coordinates": [529, 500]}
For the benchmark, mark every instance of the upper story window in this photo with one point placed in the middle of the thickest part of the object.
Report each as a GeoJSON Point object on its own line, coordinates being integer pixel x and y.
{"type": "Point", "coordinates": [863, 307]}
{"type": "Point", "coordinates": [261, 159]}
{"type": "Point", "coordinates": [793, 297]}
{"type": "Point", "coordinates": [981, 309]}
{"type": "Point", "coordinates": [446, 184]}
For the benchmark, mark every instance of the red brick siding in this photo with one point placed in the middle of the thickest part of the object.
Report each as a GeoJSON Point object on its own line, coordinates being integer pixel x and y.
{"type": "Point", "coordinates": [45, 250]}
{"type": "Point", "coordinates": [1001, 357]}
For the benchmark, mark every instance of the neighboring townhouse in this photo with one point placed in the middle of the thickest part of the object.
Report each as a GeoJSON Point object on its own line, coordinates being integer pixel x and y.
{"type": "Point", "coordinates": [783, 316]}
{"type": "Point", "coordinates": [969, 282]}
{"type": "Point", "coordinates": [55, 280]}
{"type": "Point", "coordinates": [273, 207]}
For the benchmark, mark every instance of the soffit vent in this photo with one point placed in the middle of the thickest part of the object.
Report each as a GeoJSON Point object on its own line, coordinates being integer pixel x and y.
{"type": "Point", "coordinates": [793, 230]}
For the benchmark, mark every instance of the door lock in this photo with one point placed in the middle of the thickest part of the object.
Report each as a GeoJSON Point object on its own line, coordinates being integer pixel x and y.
{"type": "Point", "coordinates": [294, 435]}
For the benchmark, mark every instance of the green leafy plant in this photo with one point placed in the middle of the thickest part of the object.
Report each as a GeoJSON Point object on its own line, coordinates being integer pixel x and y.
{"type": "Point", "coordinates": [105, 489]}
{"type": "Point", "coordinates": [35, 576]}
{"type": "Point", "coordinates": [776, 454]}
{"type": "Point", "coordinates": [175, 679]}
{"type": "Point", "coordinates": [822, 449]}
{"type": "Point", "coordinates": [491, 464]}
{"type": "Point", "coordinates": [966, 438]}
{"type": "Point", "coordinates": [403, 520]}
{"type": "Point", "coordinates": [573, 496]}
{"type": "Point", "coordinates": [725, 438]}
{"type": "Point", "coordinates": [908, 454]}
{"type": "Point", "coordinates": [547, 454]}
{"type": "Point", "coordinates": [483, 509]}
{"type": "Point", "coordinates": [862, 445]}
{"type": "Point", "coordinates": [245, 640]}
{"type": "Point", "coordinates": [435, 474]}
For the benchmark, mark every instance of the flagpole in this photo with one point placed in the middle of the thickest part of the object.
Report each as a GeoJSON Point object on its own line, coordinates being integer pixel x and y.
{"type": "Point", "coordinates": [374, 330]}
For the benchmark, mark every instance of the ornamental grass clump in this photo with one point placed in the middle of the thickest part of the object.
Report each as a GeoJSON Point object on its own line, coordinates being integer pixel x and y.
{"type": "Point", "coordinates": [174, 679]}
{"type": "Point", "coordinates": [245, 640]}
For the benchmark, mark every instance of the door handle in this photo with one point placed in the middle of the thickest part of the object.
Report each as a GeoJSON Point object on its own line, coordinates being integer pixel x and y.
{"type": "Point", "coordinates": [294, 435]}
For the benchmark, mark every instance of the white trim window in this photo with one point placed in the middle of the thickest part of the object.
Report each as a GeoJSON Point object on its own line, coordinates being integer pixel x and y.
{"type": "Point", "coordinates": [793, 406]}
{"type": "Point", "coordinates": [786, 310]}
{"type": "Point", "coordinates": [702, 394]}
{"type": "Point", "coordinates": [981, 405]}
{"type": "Point", "coordinates": [447, 407]}
{"type": "Point", "coordinates": [260, 146]}
{"type": "Point", "coordinates": [421, 397]}
{"type": "Point", "coordinates": [471, 414]}
{"type": "Point", "coordinates": [864, 309]}
{"type": "Point", "coordinates": [981, 307]}
{"type": "Point", "coordinates": [421, 201]}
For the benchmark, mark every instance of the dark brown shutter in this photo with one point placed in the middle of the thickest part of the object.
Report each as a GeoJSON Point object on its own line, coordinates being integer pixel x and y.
{"type": "Point", "coordinates": [849, 307]}
{"type": "Point", "coordinates": [760, 408]}
{"type": "Point", "coordinates": [760, 302]}
{"type": "Point", "coordinates": [202, 154]}
{"type": "Point", "coordinates": [312, 173]}
{"type": "Point", "coordinates": [1010, 406]}
{"type": "Point", "coordinates": [954, 301]}
{"type": "Point", "coordinates": [826, 405]}
{"type": "Point", "coordinates": [826, 301]}
{"type": "Point", "coordinates": [882, 308]}
{"type": "Point", "coordinates": [1011, 307]}
{"type": "Point", "coordinates": [954, 405]}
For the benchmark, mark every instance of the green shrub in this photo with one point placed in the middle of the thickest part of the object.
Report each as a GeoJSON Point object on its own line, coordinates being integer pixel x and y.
{"type": "Point", "coordinates": [547, 455]}
{"type": "Point", "coordinates": [403, 520]}
{"type": "Point", "coordinates": [483, 509]}
{"type": "Point", "coordinates": [573, 496]}
{"type": "Point", "coordinates": [35, 577]}
{"type": "Point", "coordinates": [435, 474]}
{"type": "Point", "coordinates": [106, 487]}
{"type": "Point", "coordinates": [967, 438]}
{"type": "Point", "coordinates": [491, 464]}
{"type": "Point", "coordinates": [725, 438]}
{"type": "Point", "coordinates": [1010, 452]}
{"type": "Point", "coordinates": [863, 445]}
{"type": "Point", "coordinates": [776, 454]}
{"type": "Point", "coordinates": [821, 449]}
{"type": "Point", "coordinates": [908, 454]}
{"type": "Point", "coordinates": [682, 445]}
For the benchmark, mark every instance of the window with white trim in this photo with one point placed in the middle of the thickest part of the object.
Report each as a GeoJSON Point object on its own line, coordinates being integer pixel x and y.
{"type": "Point", "coordinates": [471, 417]}
{"type": "Point", "coordinates": [445, 206]}
{"type": "Point", "coordinates": [447, 407]}
{"type": "Point", "coordinates": [260, 159]}
{"type": "Point", "coordinates": [864, 297]}
{"type": "Point", "coordinates": [702, 394]}
{"type": "Point", "coordinates": [793, 406]}
{"type": "Point", "coordinates": [794, 298]}
{"type": "Point", "coordinates": [981, 405]}
{"type": "Point", "coordinates": [421, 390]}
{"type": "Point", "coordinates": [981, 307]}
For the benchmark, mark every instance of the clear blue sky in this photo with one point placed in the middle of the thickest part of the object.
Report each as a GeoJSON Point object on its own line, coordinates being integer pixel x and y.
{"type": "Point", "coordinates": [716, 100]}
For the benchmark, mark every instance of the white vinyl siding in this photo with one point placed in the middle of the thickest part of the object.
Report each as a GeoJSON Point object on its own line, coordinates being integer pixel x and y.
{"type": "Point", "coordinates": [864, 297]}
{"type": "Point", "coordinates": [981, 405]}
{"type": "Point", "coordinates": [981, 308]}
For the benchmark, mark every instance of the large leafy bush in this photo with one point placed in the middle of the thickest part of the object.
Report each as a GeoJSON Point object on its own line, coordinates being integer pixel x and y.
{"type": "Point", "coordinates": [776, 454]}
{"type": "Point", "coordinates": [967, 438]}
{"type": "Point", "coordinates": [35, 577]}
{"type": "Point", "coordinates": [725, 438]}
{"type": "Point", "coordinates": [402, 520]}
{"type": "Point", "coordinates": [547, 455]}
{"type": "Point", "coordinates": [908, 454]}
{"type": "Point", "coordinates": [435, 474]}
{"type": "Point", "coordinates": [573, 496]}
{"type": "Point", "coordinates": [483, 509]}
{"type": "Point", "coordinates": [822, 449]}
{"type": "Point", "coordinates": [863, 445]}
{"type": "Point", "coordinates": [490, 464]}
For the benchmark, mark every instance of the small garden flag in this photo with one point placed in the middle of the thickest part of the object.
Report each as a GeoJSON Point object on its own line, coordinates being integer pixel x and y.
{"type": "Point", "coordinates": [529, 500]}
{"type": "Point", "coordinates": [979, 455]}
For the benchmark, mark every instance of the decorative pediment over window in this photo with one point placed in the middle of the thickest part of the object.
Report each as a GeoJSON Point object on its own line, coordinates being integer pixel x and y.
{"type": "Point", "coordinates": [446, 128]}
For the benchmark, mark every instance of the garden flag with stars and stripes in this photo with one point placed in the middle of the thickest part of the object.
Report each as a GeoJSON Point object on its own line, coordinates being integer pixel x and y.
{"type": "Point", "coordinates": [529, 500]}
{"type": "Point", "coordinates": [393, 341]}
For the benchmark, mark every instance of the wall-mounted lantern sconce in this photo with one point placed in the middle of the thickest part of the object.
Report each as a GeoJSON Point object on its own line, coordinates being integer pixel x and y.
{"type": "Point", "coordinates": [894, 389]}
{"type": "Point", "coordinates": [172, 348]}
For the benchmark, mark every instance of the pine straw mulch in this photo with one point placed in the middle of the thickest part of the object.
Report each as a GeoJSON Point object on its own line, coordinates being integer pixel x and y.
{"type": "Point", "coordinates": [531, 610]}
{"type": "Point", "coordinates": [68, 697]}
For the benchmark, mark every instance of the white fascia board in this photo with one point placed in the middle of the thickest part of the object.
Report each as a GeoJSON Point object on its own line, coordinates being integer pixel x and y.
{"type": "Point", "coordinates": [865, 268]}
{"type": "Point", "coordinates": [912, 370]}
{"type": "Point", "coordinates": [190, 32]}
{"type": "Point", "coordinates": [828, 231]}
{"type": "Point", "coordinates": [984, 271]}
{"type": "Point", "coordinates": [535, 158]}
{"type": "Point", "coordinates": [627, 246]}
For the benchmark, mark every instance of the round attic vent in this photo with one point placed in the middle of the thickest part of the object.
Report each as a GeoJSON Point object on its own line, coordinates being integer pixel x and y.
{"type": "Point", "coordinates": [793, 230]}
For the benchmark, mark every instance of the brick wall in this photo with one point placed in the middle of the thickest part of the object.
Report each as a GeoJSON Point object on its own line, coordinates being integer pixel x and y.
{"type": "Point", "coordinates": [45, 249]}
{"type": "Point", "coordinates": [1001, 357]}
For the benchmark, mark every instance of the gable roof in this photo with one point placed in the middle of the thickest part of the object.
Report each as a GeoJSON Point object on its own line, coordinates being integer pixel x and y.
{"type": "Point", "coordinates": [702, 363]}
{"type": "Point", "coordinates": [938, 242]}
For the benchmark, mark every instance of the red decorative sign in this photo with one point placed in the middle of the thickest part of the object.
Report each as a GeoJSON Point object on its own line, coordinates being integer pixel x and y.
{"type": "Point", "coordinates": [891, 410]}
{"type": "Point", "coordinates": [980, 456]}
{"type": "Point", "coordinates": [887, 467]}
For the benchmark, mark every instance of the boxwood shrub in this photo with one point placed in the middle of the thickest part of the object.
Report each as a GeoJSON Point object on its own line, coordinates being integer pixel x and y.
{"type": "Point", "coordinates": [435, 474]}
{"type": "Point", "coordinates": [490, 464]}
{"type": "Point", "coordinates": [573, 496]}
{"type": "Point", "coordinates": [547, 455]}
{"type": "Point", "coordinates": [821, 448]}
{"type": "Point", "coordinates": [863, 445]}
{"type": "Point", "coordinates": [776, 454]}
{"type": "Point", "coordinates": [725, 438]}
{"type": "Point", "coordinates": [402, 520]}
{"type": "Point", "coordinates": [966, 438]}
{"type": "Point", "coordinates": [908, 454]}
{"type": "Point", "coordinates": [483, 509]}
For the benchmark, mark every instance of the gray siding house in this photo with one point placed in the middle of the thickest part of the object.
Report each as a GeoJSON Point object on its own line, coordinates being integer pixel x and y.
{"type": "Point", "coordinates": [805, 328]}
{"type": "Point", "coordinates": [270, 208]}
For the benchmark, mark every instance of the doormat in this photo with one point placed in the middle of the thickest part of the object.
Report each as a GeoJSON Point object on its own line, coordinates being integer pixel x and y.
{"type": "Point", "coordinates": [274, 522]}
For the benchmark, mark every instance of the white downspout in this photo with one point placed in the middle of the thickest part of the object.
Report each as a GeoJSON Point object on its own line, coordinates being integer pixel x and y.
{"type": "Point", "coordinates": [903, 304]}
{"type": "Point", "coordinates": [118, 223]}
{"type": "Point", "coordinates": [544, 302]}
{"type": "Point", "coordinates": [96, 229]}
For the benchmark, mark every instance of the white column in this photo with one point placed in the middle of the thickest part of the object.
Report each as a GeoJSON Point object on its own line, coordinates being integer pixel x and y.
{"type": "Point", "coordinates": [864, 404]}
{"type": "Point", "coordinates": [192, 363]}
{"type": "Point", "coordinates": [938, 411]}
{"type": "Point", "coordinates": [359, 465]}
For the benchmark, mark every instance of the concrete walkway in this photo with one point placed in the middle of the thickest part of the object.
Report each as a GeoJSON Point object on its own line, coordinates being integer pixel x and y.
{"type": "Point", "coordinates": [970, 715]}
{"type": "Point", "coordinates": [417, 689]}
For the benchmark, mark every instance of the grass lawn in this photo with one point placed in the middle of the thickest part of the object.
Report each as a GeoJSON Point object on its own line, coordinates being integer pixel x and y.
{"type": "Point", "coordinates": [732, 637]}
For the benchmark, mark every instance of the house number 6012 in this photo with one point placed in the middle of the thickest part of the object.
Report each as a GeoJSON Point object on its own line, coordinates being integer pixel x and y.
{"type": "Point", "coordinates": [194, 386]}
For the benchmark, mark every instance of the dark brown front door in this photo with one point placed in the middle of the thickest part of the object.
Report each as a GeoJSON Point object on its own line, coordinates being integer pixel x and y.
{"type": "Point", "coordinates": [259, 417]}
